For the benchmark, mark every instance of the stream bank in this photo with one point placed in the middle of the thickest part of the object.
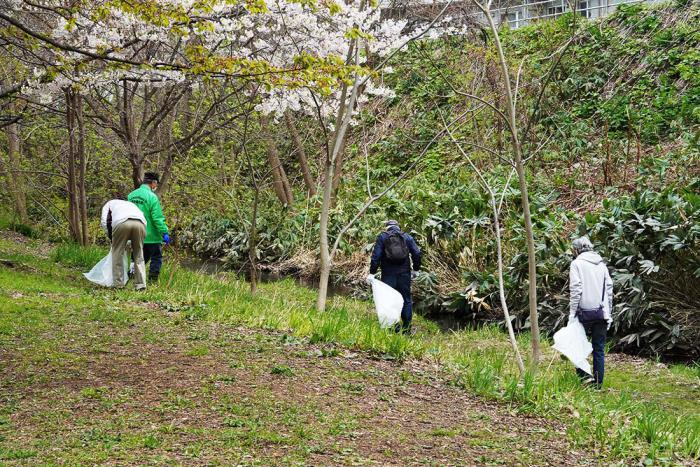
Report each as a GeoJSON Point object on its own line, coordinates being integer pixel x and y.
{"type": "Point", "coordinates": [446, 321]}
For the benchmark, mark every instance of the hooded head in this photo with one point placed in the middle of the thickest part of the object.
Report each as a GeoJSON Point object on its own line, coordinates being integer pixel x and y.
{"type": "Point", "coordinates": [392, 224]}
{"type": "Point", "coordinates": [581, 245]}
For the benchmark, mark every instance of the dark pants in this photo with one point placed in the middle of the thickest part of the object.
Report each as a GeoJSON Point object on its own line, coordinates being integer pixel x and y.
{"type": "Point", "coordinates": [597, 331]}
{"type": "Point", "coordinates": [402, 283]}
{"type": "Point", "coordinates": [153, 252]}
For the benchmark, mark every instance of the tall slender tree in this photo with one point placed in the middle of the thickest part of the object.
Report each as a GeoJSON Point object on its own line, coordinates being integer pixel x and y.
{"type": "Point", "coordinates": [11, 166]}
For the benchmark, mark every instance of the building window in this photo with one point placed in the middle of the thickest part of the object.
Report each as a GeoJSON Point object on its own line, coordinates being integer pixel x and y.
{"type": "Point", "coordinates": [554, 10]}
{"type": "Point", "coordinates": [512, 18]}
{"type": "Point", "coordinates": [583, 9]}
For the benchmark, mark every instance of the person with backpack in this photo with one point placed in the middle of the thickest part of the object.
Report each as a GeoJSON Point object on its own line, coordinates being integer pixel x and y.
{"type": "Point", "coordinates": [591, 302]}
{"type": "Point", "coordinates": [156, 229]}
{"type": "Point", "coordinates": [396, 253]}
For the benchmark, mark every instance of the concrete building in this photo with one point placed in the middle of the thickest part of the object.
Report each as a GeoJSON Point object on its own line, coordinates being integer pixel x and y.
{"type": "Point", "coordinates": [517, 13]}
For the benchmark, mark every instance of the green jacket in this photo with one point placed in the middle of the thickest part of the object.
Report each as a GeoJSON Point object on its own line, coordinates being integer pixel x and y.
{"type": "Point", "coordinates": [149, 204]}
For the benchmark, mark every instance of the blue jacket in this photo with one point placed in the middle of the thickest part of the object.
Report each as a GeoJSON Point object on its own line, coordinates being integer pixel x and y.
{"type": "Point", "coordinates": [390, 269]}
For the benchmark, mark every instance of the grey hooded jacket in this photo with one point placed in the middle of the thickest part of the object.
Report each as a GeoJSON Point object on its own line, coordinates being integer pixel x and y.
{"type": "Point", "coordinates": [587, 274]}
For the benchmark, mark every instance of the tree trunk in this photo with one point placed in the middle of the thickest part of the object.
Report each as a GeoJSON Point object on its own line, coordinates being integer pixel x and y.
{"type": "Point", "coordinates": [301, 154]}
{"type": "Point", "coordinates": [253, 242]}
{"type": "Point", "coordinates": [279, 177]}
{"type": "Point", "coordinates": [524, 197]}
{"type": "Point", "coordinates": [82, 168]}
{"type": "Point", "coordinates": [499, 250]}
{"type": "Point", "coordinates": [15, 180]}
{"type": "Point", "coordinates": [342, 123]}
{"type": "Point", "coordinates": [165, 140]}
{"type": "Point", "coordinates": [72, 188]}
{"type": "Point", "coordinates": [325, 255]}
{"type": "Point", "coordinates": [166, 173]}
{"type": "Point", "coordinates": [501, 289]}
{"type": "Point", "coordinates": [129, 131]}
{"type": "Point", "coordinates": [532, 262]}
{"type": "Point", "coordinates": [338, 169]}
{"type": "Point", "coordinates": [136, 170]}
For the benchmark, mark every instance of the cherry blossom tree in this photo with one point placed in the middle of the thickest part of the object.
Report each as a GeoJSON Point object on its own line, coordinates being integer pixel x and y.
{"type": "Point", "coordinates": [134, 64]}
{"type": "Point", "coordinates": [358, 32]}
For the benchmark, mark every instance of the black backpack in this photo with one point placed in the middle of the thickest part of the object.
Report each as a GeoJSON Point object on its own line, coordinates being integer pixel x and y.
{"type": "Point", "coordinates": [395, 248]}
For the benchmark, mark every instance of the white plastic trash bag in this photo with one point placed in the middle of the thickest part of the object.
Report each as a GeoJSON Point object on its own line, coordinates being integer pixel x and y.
{"type": "Point", "coordinates": [387, 301]}
{"type": "Point", "coordinates": [572, 342]}
{"type": "Point", "coordinates": [101, 273]}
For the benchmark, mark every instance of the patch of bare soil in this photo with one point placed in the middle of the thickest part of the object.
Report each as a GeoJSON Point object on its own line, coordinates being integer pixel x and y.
{"type": "Point", "coordinates": [13, 236]}
{"type": "Point", "coordinates": [38, 247]}
{"type": "Point", "coordinates": [253, 397]}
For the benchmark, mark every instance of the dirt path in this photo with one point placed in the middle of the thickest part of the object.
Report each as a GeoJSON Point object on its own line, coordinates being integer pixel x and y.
{"type": "Point", "coordinates": [199, 393]}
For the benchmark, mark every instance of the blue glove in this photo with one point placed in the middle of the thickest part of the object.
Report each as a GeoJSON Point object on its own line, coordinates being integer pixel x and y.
{"type": "Point", "coordinates": [166, 239]}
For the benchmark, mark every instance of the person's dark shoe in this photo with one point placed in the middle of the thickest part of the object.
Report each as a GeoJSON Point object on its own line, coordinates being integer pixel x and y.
{"type": "Point", "coordinates": [405, 330]}
{"type": "Point", "coordinates": [589, 382]}
{"type": "Point", "coordinates": [153, 278]}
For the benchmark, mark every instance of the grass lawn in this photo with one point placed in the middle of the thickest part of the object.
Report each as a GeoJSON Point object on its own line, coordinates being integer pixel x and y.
{"type": "Point", "coordinates": [198, 370]}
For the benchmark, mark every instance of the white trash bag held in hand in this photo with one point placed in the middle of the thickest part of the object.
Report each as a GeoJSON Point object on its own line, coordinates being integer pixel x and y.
{"type": "Point", "coordinates": [387, 301]}
{"type": "Point", "coordinates": [572, 342]}
{"type": "Point", "coordinates": [101, 273]}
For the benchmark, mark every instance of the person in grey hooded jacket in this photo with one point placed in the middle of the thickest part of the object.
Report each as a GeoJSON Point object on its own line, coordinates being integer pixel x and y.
{"type": "Point", "coordinates": [591, 288]}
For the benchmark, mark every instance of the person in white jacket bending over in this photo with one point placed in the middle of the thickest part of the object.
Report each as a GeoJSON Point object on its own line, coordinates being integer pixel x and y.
{"type": "Point", "coordinates": [591, 302]}
{"type": "Point", "coordinates": [124, 221]}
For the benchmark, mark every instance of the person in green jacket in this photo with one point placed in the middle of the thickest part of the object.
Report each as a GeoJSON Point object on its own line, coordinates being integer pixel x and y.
{"type": "Point", "coordinates": [156, 229]}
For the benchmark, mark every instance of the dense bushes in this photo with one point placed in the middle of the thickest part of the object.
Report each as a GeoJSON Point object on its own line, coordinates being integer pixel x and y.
{"type": "Point", "coordinates": [651, 241]}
